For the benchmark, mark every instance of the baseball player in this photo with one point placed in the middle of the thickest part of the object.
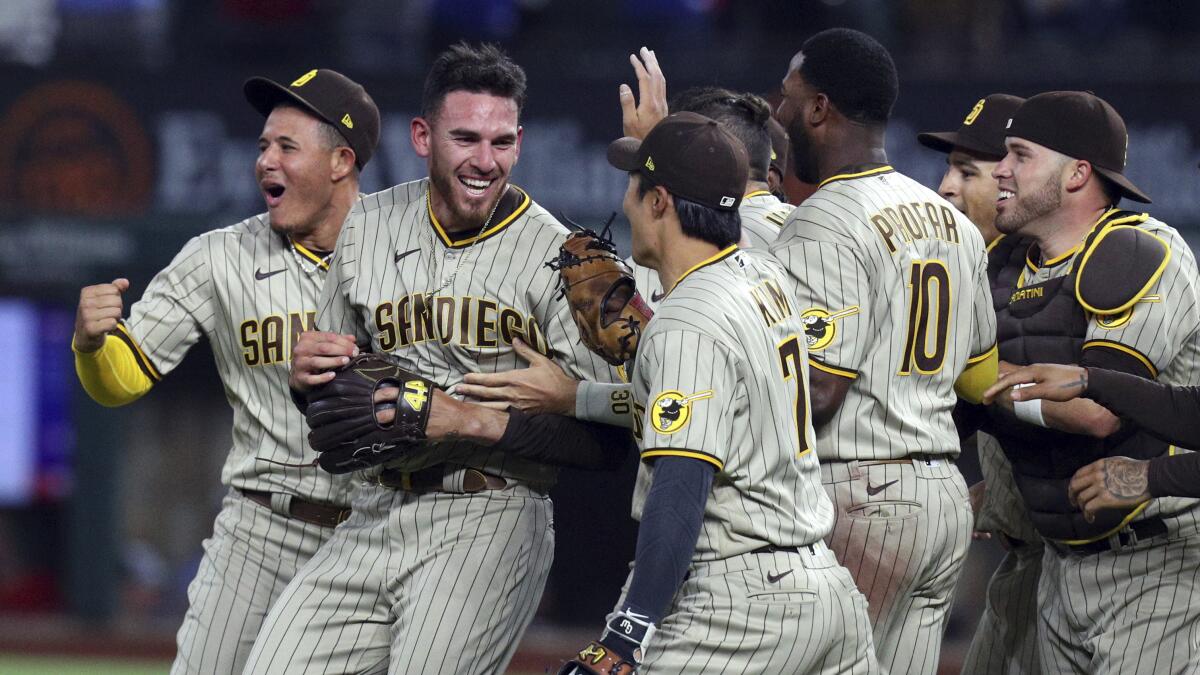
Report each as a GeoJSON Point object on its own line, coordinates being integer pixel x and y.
{"type": "Point", "coordinates": [1086, 283]}
{"type": "Point", "coordinates": [250, 289]}
{"type": "Point", "coordinates": [1166, 411]}
{"type": "Point", "coordinates": [442, 563]}
{"type": "Point", "coordinates": [891, 284]}
{"type": "Point", "coordinates": [731, 573]}
{"type": "Point", "coordinates": [1005, 639]}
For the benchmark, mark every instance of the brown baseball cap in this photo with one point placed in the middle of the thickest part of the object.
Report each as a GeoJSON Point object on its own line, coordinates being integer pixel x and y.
{"type": "Point", "coordinates": [690, 155]}
{"type": "Point", "coordinates": [982, 131]}
{"type": "Point", "coordinates": [330, 96]}
{"type": "Point", "coordinates": [1081, 125]}
{"type": "Point", "coordinates": [779, 146]}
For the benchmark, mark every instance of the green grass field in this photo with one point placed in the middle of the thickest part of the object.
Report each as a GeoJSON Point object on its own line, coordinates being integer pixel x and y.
{"type": "Point", "coordinates": [62, 665]}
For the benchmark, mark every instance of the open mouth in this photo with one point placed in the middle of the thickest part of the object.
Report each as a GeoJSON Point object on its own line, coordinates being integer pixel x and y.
{"type": "Point", "coordinates": [475, 186]}
{"type": "Point", "coordinates": [1005, 195]}
{"type": "Point", "coordinates": [273, 193]}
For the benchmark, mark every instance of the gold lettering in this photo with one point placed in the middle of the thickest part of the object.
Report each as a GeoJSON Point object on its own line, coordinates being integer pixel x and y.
{"type": "Point", "coordinates": [951, 225]}
{"type": "Point", "coordinates": [385, 315]}
{"type": "Point", "coordinates": [250, 348]}
{"type": "Point", "coordinates": [485, 332]}
{"type": "Point", "coordinates": [273, 339]}
{"type": "Point", "coordinates": [444, 308]}
{"type": "Point", "coordinates": [885, 230]}
{"type": "Point", "coordinates": [422, 318]}
{"type": "Point", "coordinates": [510, 325]}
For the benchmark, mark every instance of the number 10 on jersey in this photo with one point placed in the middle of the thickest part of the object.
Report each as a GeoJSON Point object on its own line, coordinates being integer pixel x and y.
{"type": "Point", "coordinates": [928, 284]}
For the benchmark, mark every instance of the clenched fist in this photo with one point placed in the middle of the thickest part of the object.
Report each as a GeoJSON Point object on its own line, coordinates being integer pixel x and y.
{"type": "Point", "coordinates": [100, 309]}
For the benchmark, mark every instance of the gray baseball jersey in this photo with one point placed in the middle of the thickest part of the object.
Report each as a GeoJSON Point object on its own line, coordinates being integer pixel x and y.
{"type": "Point", "coordinates": [427, 571]}
{"type": "Point", "coordinates": [763, 216]}
{"type": "Point", "coordinates": [721, 377]}
{"type": "Point", "coordinates": [250, 291]}
{"type": "Point", "coordinates": [892, 285]}
{"type": "Point", "coordinates": [892, 282]}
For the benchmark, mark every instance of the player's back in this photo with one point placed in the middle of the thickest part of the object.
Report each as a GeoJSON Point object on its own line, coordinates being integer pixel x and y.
{"type": "Point", "coordinates": [730, 328]}
{"type": "Point", "coordinates": [892, 281]}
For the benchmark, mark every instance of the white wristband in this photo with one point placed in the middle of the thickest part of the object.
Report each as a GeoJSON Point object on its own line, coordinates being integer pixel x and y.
{"type": "Point", "coordinates": [1029, 411]}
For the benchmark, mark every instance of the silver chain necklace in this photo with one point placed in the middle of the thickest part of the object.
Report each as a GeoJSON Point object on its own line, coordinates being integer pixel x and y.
{"type": "Point", "coordinates": [434, 272]}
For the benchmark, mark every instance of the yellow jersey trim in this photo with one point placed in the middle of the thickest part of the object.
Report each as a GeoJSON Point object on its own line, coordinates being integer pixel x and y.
{"type": "Point", "coordinates": [718, 257]}
{"type": "Point", "coordinates": [756, 193]}
{"type": "Point", "coordinates": [832, 370]}
{"type": "Point", "coordinates": [991, 245]}
{"type": "Point", "coordinates": [144, 362]}
{"type": "Point", "coordinates": [522, 207]}
{"type": "Point", "coordinates": [1126, 349]}
{"type": "Point", "coordinates": [323, 263]}
{"type": "Point", "coordinates": [861, 174]}
{"type": "Point", "coordinates": [976, 359]}
{"type": "Point", "coordinates": [1145, 287]}
{"type": "Point", "coordinates": [660, 452]}
{"type": "Point", "coordinates": [1053, 261]}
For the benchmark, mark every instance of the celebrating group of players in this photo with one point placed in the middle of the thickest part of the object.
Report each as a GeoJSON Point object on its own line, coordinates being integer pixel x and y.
{"type": "Point", "coordinates": [797, 399]}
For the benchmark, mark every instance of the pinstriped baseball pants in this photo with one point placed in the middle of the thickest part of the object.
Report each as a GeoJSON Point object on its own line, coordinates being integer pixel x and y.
{"type": "Point", "coordinates": [1005, 641]}
{"type": "Point", "coordinates": [1130, 612]}
{"type": "Point", "coordinates": [415, 583]}
{"type": "Point", "coordinates": [251, 556]}
{"type": "Point", "coordinates": [903, 531]}
{"type": "Point", "coordinates": [729, 616]}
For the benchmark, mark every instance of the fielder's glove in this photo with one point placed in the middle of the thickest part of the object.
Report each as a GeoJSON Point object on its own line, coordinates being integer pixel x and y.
{"type": "Point", "coordinates": [619, 651]}
{"type": "Point", "coordinates": [341, 414]}
{"type": "Point", "coordinates": [604, 301]}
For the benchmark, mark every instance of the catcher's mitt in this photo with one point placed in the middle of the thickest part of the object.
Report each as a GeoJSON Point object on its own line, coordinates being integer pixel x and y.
{"type": "Point", "coordinates": [604, 301]}
{"type": "Point", "coordinates": [341, 414]}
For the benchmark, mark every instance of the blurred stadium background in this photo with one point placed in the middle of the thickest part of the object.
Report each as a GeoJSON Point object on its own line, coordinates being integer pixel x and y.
{"type": "Point", "coordinates": [123, 133]}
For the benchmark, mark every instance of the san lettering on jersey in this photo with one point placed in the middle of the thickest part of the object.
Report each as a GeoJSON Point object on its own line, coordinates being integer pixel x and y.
{"type": "Point", "coordinates": [269, 340]}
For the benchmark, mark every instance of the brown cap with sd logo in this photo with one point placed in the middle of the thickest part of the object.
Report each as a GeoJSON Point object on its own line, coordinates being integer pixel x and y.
{"type": "Point", "coordinates": [330, 96]}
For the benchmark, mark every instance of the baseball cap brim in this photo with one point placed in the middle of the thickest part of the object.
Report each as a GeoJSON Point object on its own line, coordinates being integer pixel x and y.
{"type": "Point", "coordinates": [947, 141]}
{"type": "Point", "coordinates": [1127, 187]}
{"type": "Point", "coordinates": [623, 153]}
{"type": "Point", "coordinates": [265, 94]}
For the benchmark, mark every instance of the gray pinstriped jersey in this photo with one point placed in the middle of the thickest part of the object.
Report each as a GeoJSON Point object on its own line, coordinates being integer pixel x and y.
{"type": "Point", "coordinates": [720, 376]}
{"type": "Point", "coordinates": [892, 283]}
{"type": "Point", "coordinates": [762, 216]}
{"type": "Point", "coordinates": [449, 305]}
{"type": "Point", "coordinates": [1162, 330]}
{"type": "Point", "coordinates": [251, 293]}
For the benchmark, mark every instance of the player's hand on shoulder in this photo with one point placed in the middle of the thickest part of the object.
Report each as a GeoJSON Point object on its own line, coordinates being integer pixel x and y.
{"type": "Point", "coordinates": [100, 308]}
{"type": "Point", "coordinates": [638, 116]}
{"type": "Point", "coordinates": [543, 387]}
{"type": "Point", "coordinates": [315, 357]}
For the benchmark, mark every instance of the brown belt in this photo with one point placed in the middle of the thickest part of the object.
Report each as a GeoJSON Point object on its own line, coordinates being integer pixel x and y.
{"type": "Point", "coordinates": [908, 460]}
{"type": "Point", "coordinates": [434, 479]}
{"type": "Point", "coordinates": [325, 515]}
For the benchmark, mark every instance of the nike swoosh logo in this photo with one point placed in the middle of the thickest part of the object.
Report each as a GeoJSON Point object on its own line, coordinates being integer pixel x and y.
{"type": "Point", "coordinates": [657, 297]}
{"type": "Point", "coordinates": [776, 577]}
{"type": "Point", "coordinates": [400, 255]}
{"type": "Point", "coordinates": [880, 488]}
{"type": "Point", "coordinates": [260, 275]}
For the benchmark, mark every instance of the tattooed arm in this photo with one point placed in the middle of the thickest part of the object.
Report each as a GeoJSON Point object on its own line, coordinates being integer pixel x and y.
{"type": "Point", "coordinates": [1110, 483]}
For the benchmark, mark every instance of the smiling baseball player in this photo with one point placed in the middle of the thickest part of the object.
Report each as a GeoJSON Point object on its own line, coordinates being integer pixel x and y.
{"type": "Point", "coordinates": [250, 289]}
